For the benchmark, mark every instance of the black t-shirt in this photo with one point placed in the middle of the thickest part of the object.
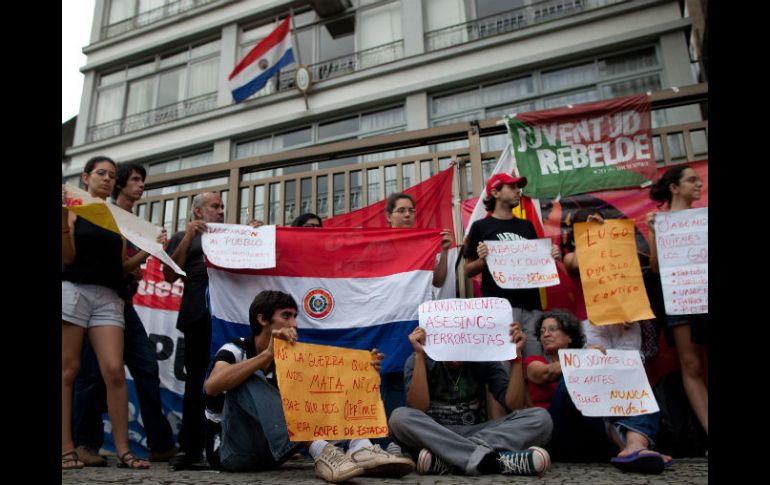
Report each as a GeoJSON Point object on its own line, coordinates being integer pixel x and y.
{"type": "Point", "coordinates": [98, 257]}
{"type": "Point", "coordinates": [492, 229]}
{"type": "Point", "coordinates": [193, 305]}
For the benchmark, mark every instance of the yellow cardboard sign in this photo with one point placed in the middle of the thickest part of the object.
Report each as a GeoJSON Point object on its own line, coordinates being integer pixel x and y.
{"type": "Point", "coordinates": [610, 272]}
{"type": "Point", "coordinates": [329, 393]}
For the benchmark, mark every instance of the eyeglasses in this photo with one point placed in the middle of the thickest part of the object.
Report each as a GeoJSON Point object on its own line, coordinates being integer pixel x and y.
{"type": "Point", "coordinates": [551, 329]}
{"type": "Point", "coordinates": [310, 224]}
{"type": "Point", "coordinates": [104, 173]}
{"type": "Point", "coordinates": [404, 210]}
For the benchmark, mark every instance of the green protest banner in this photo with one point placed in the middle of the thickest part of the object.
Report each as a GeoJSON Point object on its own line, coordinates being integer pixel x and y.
{"type": "Point", "coordinates": [588, 147]}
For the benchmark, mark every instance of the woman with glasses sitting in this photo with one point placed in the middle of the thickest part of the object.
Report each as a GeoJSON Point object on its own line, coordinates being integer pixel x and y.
{"type": "Point", "coordinates": [576, 437]}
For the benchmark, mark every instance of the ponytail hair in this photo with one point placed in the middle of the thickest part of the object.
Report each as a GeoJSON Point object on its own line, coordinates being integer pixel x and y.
{"type": "Point", "coordinates": [661, 190]}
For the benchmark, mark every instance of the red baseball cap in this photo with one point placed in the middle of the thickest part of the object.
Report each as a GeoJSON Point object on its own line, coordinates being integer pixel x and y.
{"type": "Point", "coordinates": [499, 179]}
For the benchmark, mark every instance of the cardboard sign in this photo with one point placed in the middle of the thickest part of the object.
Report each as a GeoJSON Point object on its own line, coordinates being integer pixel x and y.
{"type": "Point", "coordinates": [239, 246]}
{"type": "Point", "coordinates": [468, 330]}
{"type": "Point", "coordinates": [614, 384]}
{"type": "Point", "coordinates": [683, 258]}
{"type": "Point", "coordinates": [329, 393]}
{"type": "Point", "coordinates": [115, 219]}
{"type": "Point", "coordinates": [522, 264]}
{"type": "Point", "coordinates": [610, 272]}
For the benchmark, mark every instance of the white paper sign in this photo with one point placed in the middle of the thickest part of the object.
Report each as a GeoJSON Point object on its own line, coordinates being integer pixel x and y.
{"type": "Point", "coordinates": [522, 264]}
{"type": "Point", "coordinates": [607, 385]}
{"type": "Point", "coordinates": [683, 257]}
{"type": "Point", "coordinates": [140, 232]}
{"type": "Point", "coordinates": [239, 246]}
{"type": "Point", "coordinates": [468, 329]}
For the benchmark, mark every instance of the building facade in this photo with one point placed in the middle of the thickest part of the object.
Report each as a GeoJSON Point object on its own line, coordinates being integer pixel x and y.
{"type": "Point", "coordinates": [400, 88]}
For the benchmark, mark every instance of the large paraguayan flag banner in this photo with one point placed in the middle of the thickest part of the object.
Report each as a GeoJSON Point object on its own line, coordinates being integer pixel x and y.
{"type": "Point", "coordinates": [262, 62]}
{"type": "Point", "coordinates": [355, 288]}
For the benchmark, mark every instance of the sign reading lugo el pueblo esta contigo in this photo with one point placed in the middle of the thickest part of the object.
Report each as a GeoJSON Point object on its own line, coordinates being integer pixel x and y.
{"type": "Point", "coordinates": [470, 330]}
{"type": "Point", "coordinates": [682, 239]}
{"type": "Point", "coordinates": [611, 384]}
{"type": "Point", "coordinates": [239, 246]}
{"type": "Point", "coordinates": [522, 264]}
{"type": "Point", "coordinates": [610, 272]}
{"type": "Point", "coordinates": [329, 393]}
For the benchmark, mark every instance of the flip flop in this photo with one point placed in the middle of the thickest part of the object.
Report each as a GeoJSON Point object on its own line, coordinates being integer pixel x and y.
{"type": "Point", "coordinates": [649, 462]}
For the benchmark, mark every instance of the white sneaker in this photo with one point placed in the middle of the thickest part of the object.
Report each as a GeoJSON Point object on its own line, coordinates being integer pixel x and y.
{"type": "Point", "coordinates": [335, 466]}
{"type": "Point", "coordinates": [533, 461]}
{"type": "Point", "coordinates": [377, 462]}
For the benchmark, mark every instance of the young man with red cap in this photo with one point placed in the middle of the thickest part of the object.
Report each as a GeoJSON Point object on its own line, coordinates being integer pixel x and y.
{"type": "Point", "coordinates": [503, 194]}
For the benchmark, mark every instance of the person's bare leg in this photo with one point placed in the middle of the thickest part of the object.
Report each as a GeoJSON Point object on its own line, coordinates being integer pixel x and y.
{"type": "Point", "coordinates": [636, 442]}
{"type": "Point", "coordinates": [107, 341]}
{"type": "Point", "coordinates": [71, 346]}
{"type": "Point", "coordinates": [692, 373]}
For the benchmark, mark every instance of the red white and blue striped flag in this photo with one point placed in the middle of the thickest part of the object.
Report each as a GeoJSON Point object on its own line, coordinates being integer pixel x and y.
{"type": "Point", "coordinates": [262, 62]}
{"type": "Point", "coordinates": [355, 288]}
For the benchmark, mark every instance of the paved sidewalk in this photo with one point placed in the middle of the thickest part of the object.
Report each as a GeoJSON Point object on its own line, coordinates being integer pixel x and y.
{"type": "Point", "coordinates": [685, 471]}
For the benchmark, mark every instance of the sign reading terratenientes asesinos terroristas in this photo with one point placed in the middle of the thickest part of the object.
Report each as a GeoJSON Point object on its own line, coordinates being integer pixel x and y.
{"type": "Point", "coordinates": [588, 147]}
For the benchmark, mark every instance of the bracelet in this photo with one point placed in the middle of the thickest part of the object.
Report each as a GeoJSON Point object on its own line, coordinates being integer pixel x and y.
{"type": "Point", "coordinates": [65, 231]}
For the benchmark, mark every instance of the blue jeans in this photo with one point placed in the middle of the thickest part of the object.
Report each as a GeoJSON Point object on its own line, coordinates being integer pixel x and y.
{"type": "Point", "coordinates": [579, 438]}
{"type": "Point", "coordinates": [89, 400]}
{"type": "Point", "coordinates": [254, 435]}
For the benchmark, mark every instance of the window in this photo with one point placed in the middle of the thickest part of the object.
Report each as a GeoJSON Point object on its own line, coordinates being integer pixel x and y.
{"type": "Point", "coordinates": [608, 76]}
{"type": "Point", "coordinates": [163, 88]}
{"type": "Point", "coordinates": [125, 15]}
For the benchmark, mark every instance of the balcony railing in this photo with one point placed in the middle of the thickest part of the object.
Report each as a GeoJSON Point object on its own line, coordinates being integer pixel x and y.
{"type": "Point", "coordinates": [157, 116]}
{"type": "Point", "coordinates": [347, 64]}
{"type": "Point", "coordinates": [170, 9]}
{"type": "Point", "coordinates": [509, 21]}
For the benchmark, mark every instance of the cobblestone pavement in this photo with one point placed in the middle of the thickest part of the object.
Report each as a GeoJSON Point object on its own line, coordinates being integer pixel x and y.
{"type": "Point", "coordinates": [685, 471]}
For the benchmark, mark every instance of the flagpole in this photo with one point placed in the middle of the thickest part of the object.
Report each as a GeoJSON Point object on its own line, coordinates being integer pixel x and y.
{"type": "Point", "coordinates": [299, 55]}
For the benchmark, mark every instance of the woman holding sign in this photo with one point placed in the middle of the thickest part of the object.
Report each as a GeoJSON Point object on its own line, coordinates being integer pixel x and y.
{"type": "Point", "coordinates": [92, 275]}
{"type": "Point", "coordinates": [576, 437]}
{"type": "Point", "coordinates": [678, 188]}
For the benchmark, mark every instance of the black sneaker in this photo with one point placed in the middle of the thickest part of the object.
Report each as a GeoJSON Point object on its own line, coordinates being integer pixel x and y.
{"type": "Point", "coordinates": [182, 461]}
{"type": "Point", "coordinates": [430, 464]}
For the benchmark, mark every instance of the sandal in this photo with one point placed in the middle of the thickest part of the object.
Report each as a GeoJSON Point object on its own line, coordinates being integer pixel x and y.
{"type": "Point", "coordinates": [129, 460]}
{"type": "Point", "coordinates": [68, 459]}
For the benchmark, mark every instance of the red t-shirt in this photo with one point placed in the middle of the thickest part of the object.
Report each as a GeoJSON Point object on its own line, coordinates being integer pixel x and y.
{"type": "Point", "coordinates": [541, 393]}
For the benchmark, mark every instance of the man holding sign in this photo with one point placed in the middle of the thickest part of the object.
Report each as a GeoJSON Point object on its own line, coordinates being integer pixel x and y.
{"type": "Point", "coordinates": [246, 423]}
{"type": "Point", "coordinates": [505, 194]}
{"type": "Point", "coordinates": [445, 421]}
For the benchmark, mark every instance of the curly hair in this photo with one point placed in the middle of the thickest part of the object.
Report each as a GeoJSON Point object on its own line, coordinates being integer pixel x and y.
{"type": "Point", "coordinates": [568, 323]}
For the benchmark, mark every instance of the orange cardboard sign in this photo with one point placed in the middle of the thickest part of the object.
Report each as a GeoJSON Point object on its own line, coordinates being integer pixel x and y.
{"type": "Point", "coordinates": [610, 272]}
{"type": "Point", "coordinates": [329, 393]}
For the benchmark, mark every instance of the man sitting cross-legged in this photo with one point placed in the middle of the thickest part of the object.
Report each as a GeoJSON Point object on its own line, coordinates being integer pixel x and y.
{"type": "Point", "coordinates": [246, 425]}
{"type": "Point", "coordinates": [444, 419]}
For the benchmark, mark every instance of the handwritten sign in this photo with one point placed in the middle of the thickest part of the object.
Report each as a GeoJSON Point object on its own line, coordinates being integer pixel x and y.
{"type": "Point", "coordinates": [472, 330]}
{"type": "Point", "coordinates": [522, 264]}
{"type": "Point", "coordinates": [614, 384]}
{"type": "Point", "coordinates": [239, 246]}
{"type": "Point", "coordinates": [111, 217]}
{"type": "Point", "coordinates": [610, 272]}
{"type": "Point", "coordinates": [683, 257]}
{"type": "Point", "coordinates": [329, 393]}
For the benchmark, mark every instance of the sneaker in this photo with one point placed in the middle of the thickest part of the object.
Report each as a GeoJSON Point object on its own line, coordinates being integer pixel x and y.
{"type": "Point", "coordinates": [90, 456]}
{"type": "Point", "coordinates": [430, 464]}
{"type": "Point", "coordinates": [335, 466]}
{"type": "Point", "coordinates": [376, 462]}
{"type": "Point", "coordinates": [533, 461]}
{"type": "Point", "coordinates": [394, 449]}
{"type": "Point", "coordinates": [164, 455]}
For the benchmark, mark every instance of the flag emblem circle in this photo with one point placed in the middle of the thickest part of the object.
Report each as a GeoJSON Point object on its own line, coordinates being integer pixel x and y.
{"type": "Point", "coordinates": [263, 64]}
{"type": "Point", "coordinates": [318, 303]}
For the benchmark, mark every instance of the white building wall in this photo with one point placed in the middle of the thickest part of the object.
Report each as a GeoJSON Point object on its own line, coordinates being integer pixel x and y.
{"type": "Point", "coordinates": [408, 80]}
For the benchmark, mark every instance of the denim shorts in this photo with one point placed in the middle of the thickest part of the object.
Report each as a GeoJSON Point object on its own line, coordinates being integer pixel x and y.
{"type": "Point", "coordinates": [90, 305]}
{"type": "Point", "coordinates": [698, 325]}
